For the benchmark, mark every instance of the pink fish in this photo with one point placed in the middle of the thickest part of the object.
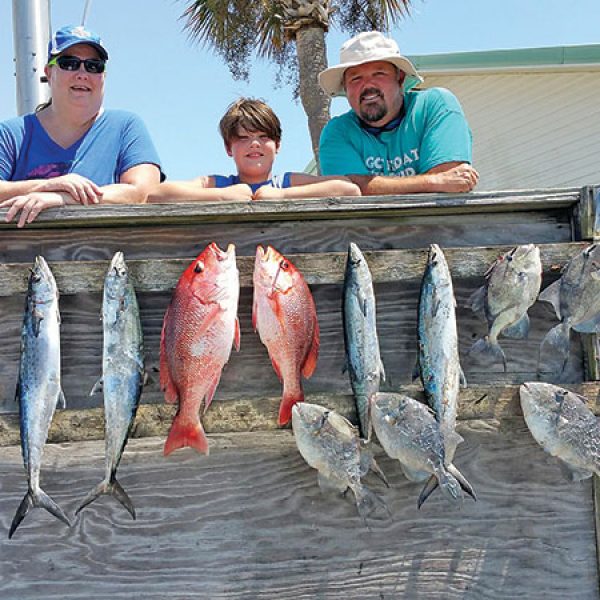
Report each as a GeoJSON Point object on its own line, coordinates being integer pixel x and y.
{"type": "Point", "coordinates": [199, 329]}
{"type": "Point", "coordinates": [284, 314]}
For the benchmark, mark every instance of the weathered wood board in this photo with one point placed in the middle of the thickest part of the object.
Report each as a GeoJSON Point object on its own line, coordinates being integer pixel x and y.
{"type": "Point", "coordinates": [249, 521]}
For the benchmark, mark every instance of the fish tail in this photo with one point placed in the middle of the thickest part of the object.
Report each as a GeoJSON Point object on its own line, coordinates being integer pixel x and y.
{"type": "Point", "coordinates": [462, 480]}
{"type": "Point", "coordinates": [37, 499]}
{"type": "Point", "coordinates": [367, 502]}
{"type": "Point", "coordinates": [186, 433]}
{"type": "Point", "coordinates": [287, 402]}
{"type": "Point", "coordinates": [557, 340]}
{"type": "Point", "coordinates": [490, 349]}
{"type": "Point", "coordinates": [112, 488]}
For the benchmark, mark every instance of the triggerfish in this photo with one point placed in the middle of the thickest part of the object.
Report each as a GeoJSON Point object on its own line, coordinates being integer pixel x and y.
{"type": "Point", "coordinates": [38, 387]}
{"type": "Point", "coordinates": [285, 316]}
{"type": "Point", "coordinates": [122, 375]}
{"type": "Point", "coordinates": [199, 329]}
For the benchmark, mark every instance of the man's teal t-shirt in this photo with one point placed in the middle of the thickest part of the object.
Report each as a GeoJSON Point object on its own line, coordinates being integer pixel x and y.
{"type": "Point", "coordinates": [434, 130]}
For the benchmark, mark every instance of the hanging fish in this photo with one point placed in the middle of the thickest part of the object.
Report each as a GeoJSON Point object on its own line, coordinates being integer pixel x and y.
{"type": "Point", "coordinates": [285, 316]}
{"type": "Point", "coordinates": [38, 387]}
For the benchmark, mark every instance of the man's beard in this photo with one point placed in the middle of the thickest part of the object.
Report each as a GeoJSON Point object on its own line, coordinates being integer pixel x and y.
{"type": "Point", "coordinates": [373, 111]}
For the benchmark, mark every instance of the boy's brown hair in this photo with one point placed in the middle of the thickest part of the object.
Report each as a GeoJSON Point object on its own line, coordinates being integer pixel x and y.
{"type": "Point", "coordinates": [252, 115]}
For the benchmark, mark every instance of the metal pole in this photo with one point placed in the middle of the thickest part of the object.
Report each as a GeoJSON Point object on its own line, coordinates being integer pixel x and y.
{"type": "Point", "coordinates": [31, 32]}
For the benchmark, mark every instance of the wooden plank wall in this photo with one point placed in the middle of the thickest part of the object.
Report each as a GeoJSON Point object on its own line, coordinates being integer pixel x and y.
{"type": "Point", "coordinates": [249, 520]}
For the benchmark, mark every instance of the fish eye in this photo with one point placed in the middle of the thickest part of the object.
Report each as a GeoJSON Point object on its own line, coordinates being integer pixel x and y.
{"type": "Point", "coordinates": [509, 258]}
{"type": "Point", "coordinates": [199, 268]}
{"type": "Point", "coordinates": [284, 264]}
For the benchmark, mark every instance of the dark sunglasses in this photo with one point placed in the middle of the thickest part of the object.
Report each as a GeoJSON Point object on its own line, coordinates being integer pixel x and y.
{"type": "Point", "coordinates": [72, 63]}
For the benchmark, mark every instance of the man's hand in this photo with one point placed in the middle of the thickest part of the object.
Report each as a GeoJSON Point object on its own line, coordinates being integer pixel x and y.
{"type": "Point", "coordinates": [81, 189]}
{"type": "Point", "coordinates": [268, 192]}
{"type": "Point", "coordinates": [30, 206]}
{"type": "Point", "coordinates": [462, 178]}
{"type": "Point", "coordinates": [240, 191]}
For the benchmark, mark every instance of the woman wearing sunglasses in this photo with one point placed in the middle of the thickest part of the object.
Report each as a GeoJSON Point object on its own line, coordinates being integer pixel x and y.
{"type": "Point", "coordinates": [71, 150]}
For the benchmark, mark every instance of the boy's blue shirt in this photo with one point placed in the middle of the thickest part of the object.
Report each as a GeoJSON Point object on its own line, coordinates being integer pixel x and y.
{"type": "Point", "coordinates": [276, 181]}
{"type": "Point", "coordinates": [117, 141]}
{"type": "Point", "coordinates": [433, 131]}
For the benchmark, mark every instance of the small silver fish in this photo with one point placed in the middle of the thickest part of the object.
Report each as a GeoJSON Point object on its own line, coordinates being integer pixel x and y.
{"type": "Point", "coordinates": [38, 388]}
{"type": "Point", "coordinates": [563, 425]}
{"type": "Point", "coordinates": [330, 443]}
{"type": "Point", "coordinates": [410, 433]}
{"type": "Point", "coordinates": [363, 360]}
{"type": "Point", "coordinates": [438, 362]}
{"type": "Point", "coordinates": [122, 375]}
{"type": "Point", "coordinates": [512, 285]}
{"type": "Point", "coordinates": [576, 300]}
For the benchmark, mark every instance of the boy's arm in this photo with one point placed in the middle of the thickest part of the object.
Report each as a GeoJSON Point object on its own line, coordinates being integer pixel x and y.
{"type": "Point", "coordinates": [310, 186]}
{"type": "Point", "coordinates": [201, 189]}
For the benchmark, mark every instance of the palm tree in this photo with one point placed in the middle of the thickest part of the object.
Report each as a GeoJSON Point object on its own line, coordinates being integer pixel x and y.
{"type": "Point", "coordinates": [274, 29]}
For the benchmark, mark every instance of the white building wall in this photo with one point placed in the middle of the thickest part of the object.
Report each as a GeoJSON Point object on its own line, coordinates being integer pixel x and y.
{"type": "Point", "coordinates": [531, 129]}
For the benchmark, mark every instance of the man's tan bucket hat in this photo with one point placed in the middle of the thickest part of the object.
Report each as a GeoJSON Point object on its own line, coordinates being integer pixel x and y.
{"type": "Point", "coordinates": [362, 48]}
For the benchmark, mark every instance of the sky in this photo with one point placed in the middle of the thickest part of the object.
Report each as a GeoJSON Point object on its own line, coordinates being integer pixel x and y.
{"type": "Point", "coordinates": [181, 89]}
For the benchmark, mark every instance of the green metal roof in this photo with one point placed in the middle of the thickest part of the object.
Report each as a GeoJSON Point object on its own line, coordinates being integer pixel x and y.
{"type": "Point", "coordinates": [525, 57]}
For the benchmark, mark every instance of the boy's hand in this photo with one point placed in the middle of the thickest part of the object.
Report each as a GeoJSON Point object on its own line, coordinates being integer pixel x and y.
{"type": "Point", "coordinates": [268, 192]}
{"type": "Point", "coordinates": [240, 191]}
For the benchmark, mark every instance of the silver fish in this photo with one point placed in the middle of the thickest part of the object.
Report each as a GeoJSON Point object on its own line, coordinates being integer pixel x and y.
{"type": "Point", "coordinates": [576, 300]}
{"type": "Point", "coordinates": [410, 433]}
{"type": "Point", "coordinates": [363, 360]}
{"type": "Point", "coordinates": [122, 375]}
{"type": "Point", "coordinates": [561, 422]}
{"type": "Point", "coordinates": [512, 285]}
{"type": "Point", "coordinates": [330, 443]}
{"type": "Point", "coordinates": [438, 362]}
{"type": "Point", "coordinates": [38, 387]}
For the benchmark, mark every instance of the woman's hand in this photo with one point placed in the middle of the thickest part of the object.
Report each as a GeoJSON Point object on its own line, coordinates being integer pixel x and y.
{"type": "Point", "coordinates": [81, 189]}
{"type": "Point", "coordinates": [30, 206]}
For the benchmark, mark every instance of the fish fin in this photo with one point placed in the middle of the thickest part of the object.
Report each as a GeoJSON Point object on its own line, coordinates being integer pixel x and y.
{"type": "Point", "coordinates": [476, 301]}
{"type": "Point", "coordinates": [254, 310]}
{"type": "Point", "coordinates": [185, 433]}
{"type": "Point", "coordinates": [377, 470]}
{"type": "Point", "coordinates": [416, 372]}
{"type": "Point", "coordinates": [237, 335]}
{"type": "Point", "coordinates": [36, 500]}
{"type": "Point", "coordinates": [552, 295]}
{"type": "Point", "coordinates": [276, 367]}
{"type": "Point", "coordinates": [381, 370]}
{"type": "Point", "coordinates": [461, 377]}
{"type": "Point", "coordinates": [428, 489]}
{"type": "Point", "coordinates": [211, 392]}
{"type": "Point", "coordinates": [310, 363]}
{"type": "Point", "coordinates": [330, 484]}
{"type": "Point", "coordinates": [112, 488]}
{"type": "Point", "coordinates": [414, 474]}
{"type": "Point", "coordinates": [36, 321]}
{"type": "Point", "coordinates": [518, 330]}
{"type": "Point", "coordinates": [451, 441]}
{"type": "Point", "coordinates": [572, 473]}
{"type": "Point", "coordinates": [98, 386]}
{"type": "Point", "coordinates": [488, 349]}
{"type": "Point", "coordinates": [558, 341]}
{"type": "Point", "coordinates": [62, 401]}
{"type": "Point", "coordinates": [287, 402]}
{"type": "Point", "coordinates": [589, 326]}
{"type": "Point", "coordinates": [362, 302]}
{"type": "Point", "coordinates": [166, 383]}
{"type": "Point", "coordinates": [462, 480]}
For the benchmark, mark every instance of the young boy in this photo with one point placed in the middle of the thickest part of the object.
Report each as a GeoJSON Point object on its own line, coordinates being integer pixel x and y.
{"type": "Point", "coordinates": [252, 135]}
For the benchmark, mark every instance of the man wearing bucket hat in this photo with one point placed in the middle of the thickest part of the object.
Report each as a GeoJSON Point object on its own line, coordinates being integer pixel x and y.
{"type": "Point", "coordinates": [71, 150]}
{"type": "Point", "coordinates": [395, 140]}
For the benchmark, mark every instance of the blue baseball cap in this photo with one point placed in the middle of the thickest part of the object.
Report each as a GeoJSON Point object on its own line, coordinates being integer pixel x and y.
{"type": "Point", "coordinates": [68, 36]}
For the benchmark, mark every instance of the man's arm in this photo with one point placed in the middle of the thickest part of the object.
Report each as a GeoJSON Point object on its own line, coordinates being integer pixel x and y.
{"type": "Point", "coordinates": [453, 177]}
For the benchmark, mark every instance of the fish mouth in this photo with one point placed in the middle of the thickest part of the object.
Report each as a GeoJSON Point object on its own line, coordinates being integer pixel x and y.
{"type": "Point", "coordinates": [355, 256]}
{"type": "Point", "coordinates": [223, 255]}
{"type": "Point", "coordinates": [40, 268]}
{"type": "Point", "coordinates": [117, 264]}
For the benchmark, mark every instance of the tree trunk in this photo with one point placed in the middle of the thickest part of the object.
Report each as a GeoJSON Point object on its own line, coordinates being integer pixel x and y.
{"type": "Point", "coordinates": [312, 59]}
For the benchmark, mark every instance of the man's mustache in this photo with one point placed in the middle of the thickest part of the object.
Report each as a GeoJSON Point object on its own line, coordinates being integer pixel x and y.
{"type": "Point", "coordinates": [370, 92]}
